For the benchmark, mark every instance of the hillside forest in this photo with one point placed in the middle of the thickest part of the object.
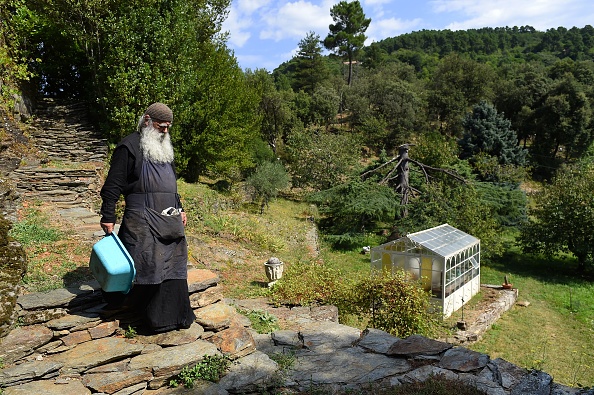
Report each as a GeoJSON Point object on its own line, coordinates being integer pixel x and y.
{"type": "Point", "coordinates": [489, 130]}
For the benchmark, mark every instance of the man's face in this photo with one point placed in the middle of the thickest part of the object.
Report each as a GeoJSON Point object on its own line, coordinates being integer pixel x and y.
{"type": "Point", "coordinates": [161, 126]}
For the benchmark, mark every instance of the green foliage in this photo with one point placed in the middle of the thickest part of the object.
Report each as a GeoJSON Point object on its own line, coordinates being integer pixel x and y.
{"type": "Point", "coordinates": [562, 217]}
{"type": "Point", "coordinates": [285, 360]}
{"type": "Point", "coordinates": [436, 150]}
{"type": "Point", "coordinates": [486, 131]}
{"type": "Point", "coordinates": [310, 68]}
{"type": "Point", "coordinates": [562, 123]}
{"type": "Point", "coordinates": [457, 84]}
{"type": "Point", "coordinates": [262, 321]}
{"type": "Point", "coordinates": [307, 283]}
{"type": "Point", "coordinates": [347, 33]}
{"type": "Point", "coordinates": [33, 229]}
{"type": "Point", "coordinates": [319, 159]}
{"type": "Point", "coordinates": [351, 210]}
{"type": "Point", "coordinates": [507, 203]}
{"type": "Point", "coordinates": [325, 101]}
{"type": "Point", "coordinates": [211, 368]}
{"type": "Point", "coordinates": [392, 302]}
{"type": "Point", "coordinates": [267, 180]}
{"type": "Point", "coordinates": [16, 20]}
{"type": "Point", "coordinates": [130, 333]}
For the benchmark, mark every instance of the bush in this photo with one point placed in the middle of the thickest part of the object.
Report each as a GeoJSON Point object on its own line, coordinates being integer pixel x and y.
{"type": "Point", "coordinates": [392, 302]}
{"type": "Point", "coordinates": [307, 283]}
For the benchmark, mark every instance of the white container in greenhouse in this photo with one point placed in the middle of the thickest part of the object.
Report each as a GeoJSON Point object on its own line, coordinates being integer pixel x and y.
{"type": "Point", "coordinates": [445, 260]}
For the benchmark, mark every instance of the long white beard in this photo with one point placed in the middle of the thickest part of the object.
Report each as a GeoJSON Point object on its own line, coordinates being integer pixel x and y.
{"type": "Point", "coordinates": [156, 146]}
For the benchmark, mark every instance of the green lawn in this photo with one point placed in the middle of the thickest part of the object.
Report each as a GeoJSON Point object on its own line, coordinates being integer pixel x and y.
{"type": "Point", "coordinates": [555, 332]}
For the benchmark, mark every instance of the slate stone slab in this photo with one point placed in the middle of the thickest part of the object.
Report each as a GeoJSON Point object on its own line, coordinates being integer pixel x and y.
{"type": "Point", "coordinates": [345, 366]}
{"type": "Point", "coordinates": [97, 352]}
{"type": "Point", "coordinates": [171, 360]}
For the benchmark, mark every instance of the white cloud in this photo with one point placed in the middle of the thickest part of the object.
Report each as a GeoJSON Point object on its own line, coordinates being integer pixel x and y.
{"type": "Point", "coordinates": [293, 20]}
{"type": "Point", "coordinates": [540, 14]}
{"type": "Point", "coordinates": [237, 27]}
{"type": "Point", "coordinates": [250, 6]}
{"type": "Point", "coordinates": [391, 27]}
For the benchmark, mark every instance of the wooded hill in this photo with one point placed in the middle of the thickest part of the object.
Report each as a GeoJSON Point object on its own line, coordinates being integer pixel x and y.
{"type": "Point", "coordinates": [497, 107]}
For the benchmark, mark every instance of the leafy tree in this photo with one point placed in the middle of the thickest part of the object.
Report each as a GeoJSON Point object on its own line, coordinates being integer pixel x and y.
{"type": "Point", "coordinates": [268, 179]}
{"type": "Point", "coordinates": [274, 108]}
{"type": "Point", "coordinates": [325, 104]}
{"type": "Point", "coordinates": [135, 53]}
{"type": "Point", "coordinates": [310, 66]}
{"type": "Point", "coordinates": [15, 19]}
{"type": "Point", "coordinates": [486, 131]}
{"type": "Point", "coordinates": [562, 124]}
{"type": "Point", "coordinates": [562, 218]}
{"type": "Point", "coordinates": [320, 160]}
{"type": "Point", "coordinates": [518, 91]}
{"type": "Point", "coordinates": [347, 33]}
{"type": "Point", "coordinates": [457, 84]}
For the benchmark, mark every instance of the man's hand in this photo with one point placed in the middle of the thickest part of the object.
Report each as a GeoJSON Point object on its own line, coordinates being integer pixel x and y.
{"type": "Point", "coordinates": [107, 227]}
{"type": "Point", "coordinates": [184, 217]}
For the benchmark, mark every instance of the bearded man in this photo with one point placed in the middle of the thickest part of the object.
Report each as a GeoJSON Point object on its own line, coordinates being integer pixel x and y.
{"type": "Point", "coordinates": [152, 228]}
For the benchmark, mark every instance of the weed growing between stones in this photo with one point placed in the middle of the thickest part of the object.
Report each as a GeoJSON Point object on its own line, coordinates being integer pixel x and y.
{"type": "Point", "coordinates": [262, 321]}
{"type": "Point", "coordinates": [130, 333]}
{"type": "Point", "coordinates": [211, 368]}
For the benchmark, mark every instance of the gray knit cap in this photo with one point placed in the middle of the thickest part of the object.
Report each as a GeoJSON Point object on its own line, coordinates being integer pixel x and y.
{"type": "Point", "coordinates": [159, 111]}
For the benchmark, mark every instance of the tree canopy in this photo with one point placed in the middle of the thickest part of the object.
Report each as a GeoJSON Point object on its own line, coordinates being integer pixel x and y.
{"type": "Point", "coordinates": [347, 33]}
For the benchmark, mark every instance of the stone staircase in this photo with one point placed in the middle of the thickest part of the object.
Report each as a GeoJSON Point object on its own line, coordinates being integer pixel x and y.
{"type": "Point", "coordinates": [69, 156]}
{"type": "Point", "coordinates": [65, 169]}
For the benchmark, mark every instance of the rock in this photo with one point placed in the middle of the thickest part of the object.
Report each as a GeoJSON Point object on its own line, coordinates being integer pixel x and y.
{"type": "Point", "coordinates": [97, 352]}
{"type": "Point", "coordinates": [207, 297]}
{"type": "Point", "coordinates": [235, 342]}
{"type": "Point", "coordinates": [49, 387]}
{"type": "Point", "coordinates": [344, 367]}
{"type": "Point", "coordinates": [535, 383]}
{"type": "Point", "coordinates": [417, 345]}
{"type": "Point", "coordinates": [424, 372]}
{"type": "Point", "coordinates": [176, 338]}
{"type": "Point", "coordinates": [170, 361]}
{"type": "Point", "coordinates": [201, 279]}
{"type": "Point", "coordinates": [115, 381]}
{"type": "Point", "coordinates": [376, 341]}
{"type": "Point", "coordinates": [216, 316]}
{"type": "Point", "coordinates": [327, 336]}
{"type": "Point", "coordinates": [27, 372]}
{"type": "Point", "coordinates": [23, 341]}
{"type": "Point", "coordinates": [251, 373]}
{"type": "Point", "coordinates": [463, 360]}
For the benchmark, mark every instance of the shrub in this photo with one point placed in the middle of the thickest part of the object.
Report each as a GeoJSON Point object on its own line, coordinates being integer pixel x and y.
{"type": "Point", "coordinates": [307, 283]}
{"type": "Point", "coordinates": [392, 302]}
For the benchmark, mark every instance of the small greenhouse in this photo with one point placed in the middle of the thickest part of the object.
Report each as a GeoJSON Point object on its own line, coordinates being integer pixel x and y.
{"type": "Point", "coordinates": [445, 259]}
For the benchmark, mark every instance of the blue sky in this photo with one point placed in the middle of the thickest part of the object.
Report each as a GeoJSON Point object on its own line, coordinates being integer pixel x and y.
{"type": "Point", "coordinates": [265, 33]}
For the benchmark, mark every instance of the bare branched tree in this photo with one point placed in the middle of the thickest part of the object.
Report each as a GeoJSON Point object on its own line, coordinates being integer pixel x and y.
{"type": "Point", "coordinates": [398, 175]}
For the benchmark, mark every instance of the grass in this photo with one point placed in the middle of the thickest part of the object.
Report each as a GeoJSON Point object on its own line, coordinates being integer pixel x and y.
{"type": "Point", "coordinates": [54, 258]}
{"type": "Point", "coordinates": [554, 333]}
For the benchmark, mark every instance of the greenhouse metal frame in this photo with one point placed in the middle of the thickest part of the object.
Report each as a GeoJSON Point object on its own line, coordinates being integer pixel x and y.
{"type": "Point", "coordinates": [444, 259]}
